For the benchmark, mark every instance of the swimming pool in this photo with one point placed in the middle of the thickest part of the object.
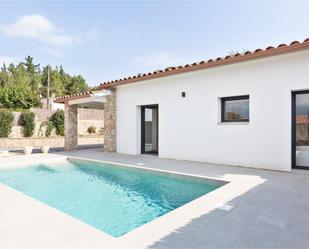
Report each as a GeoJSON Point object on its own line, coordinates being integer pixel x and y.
{"type": "Point", "coordinates": [113, 198]}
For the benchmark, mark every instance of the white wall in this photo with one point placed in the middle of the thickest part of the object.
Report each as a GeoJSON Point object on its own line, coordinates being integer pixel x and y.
{"type": "Point", "coordinates": [190, 129]}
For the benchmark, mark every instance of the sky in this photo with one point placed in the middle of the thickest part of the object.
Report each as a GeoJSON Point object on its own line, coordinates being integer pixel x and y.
{"type": "Point", "coordinates": [108, 40]}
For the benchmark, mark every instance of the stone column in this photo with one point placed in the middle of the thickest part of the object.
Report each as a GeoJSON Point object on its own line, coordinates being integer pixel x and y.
{"type": "Point", "coordinates": [110, 121]}
{"type": "Point", "coordinates": [70, 127]}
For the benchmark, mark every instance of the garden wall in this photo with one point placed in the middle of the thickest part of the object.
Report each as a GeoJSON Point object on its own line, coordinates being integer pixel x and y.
{"type": "Point", "coordinates": [86, 118]}
{"type": "Point", "coordinates": [15, 143]}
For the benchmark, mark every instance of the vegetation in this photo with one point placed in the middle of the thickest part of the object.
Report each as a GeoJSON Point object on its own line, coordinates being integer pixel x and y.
{"type": "Point", "coordinates": [18, 97]}
{"type": "Point", "coordinates": [28, 123]}
{"type": "Point", "coordinates": [22, 85]}
{"type": "Point", "coordinates": [57, 120]}
{"type": "Point", "coordinates": [46, 129]}
{"type": "Point", "coordinates": [6, 122]}
{"type": "Point", "coordinates": [49, 128]}
{"type": "Point", "coordinates": [91, 129]}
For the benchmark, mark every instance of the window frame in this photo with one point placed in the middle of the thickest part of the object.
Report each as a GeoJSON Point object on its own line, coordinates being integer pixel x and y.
{"type": "Point", "coordinates": [224, 99]}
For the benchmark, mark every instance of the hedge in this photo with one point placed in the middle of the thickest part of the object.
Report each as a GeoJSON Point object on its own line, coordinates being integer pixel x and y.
{"type": "Point", "coordinates": [6, 123]}
{"type": "Point", "coordinates": [57, 120]}
{"type": "Point", "coordinates": [28, 123]}
{"type": "Point", "coordinates": [49, 128]}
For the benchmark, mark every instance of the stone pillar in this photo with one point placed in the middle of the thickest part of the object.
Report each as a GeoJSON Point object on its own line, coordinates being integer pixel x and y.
{"type": "Point", "coordinates": [110, 121]}
{"type": "Point", "coordinates": [70, 127]}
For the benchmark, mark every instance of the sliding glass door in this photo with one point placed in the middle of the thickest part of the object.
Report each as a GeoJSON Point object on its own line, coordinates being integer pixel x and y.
{"type": "Point", "coordinates": [300, 133]}
{"type": "Point", "coordinates": [149, 129]}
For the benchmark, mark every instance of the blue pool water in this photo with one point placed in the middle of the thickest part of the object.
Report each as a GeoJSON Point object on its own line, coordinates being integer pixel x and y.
{"type": "Point", "coordinates": [113, 199]}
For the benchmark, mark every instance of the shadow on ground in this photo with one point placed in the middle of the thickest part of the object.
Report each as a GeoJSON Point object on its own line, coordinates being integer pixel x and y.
{"type": "Point", "coordinates": [274, 214]}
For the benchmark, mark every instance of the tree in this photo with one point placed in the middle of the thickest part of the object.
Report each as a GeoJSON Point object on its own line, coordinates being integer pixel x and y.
{"type": "Point", "coordinates": [18, 97]}
{"type": "Point", "coordinates": [23, 84]}
{"type": "Point", "coordinates": [33, 71]}
{"type": "Point", "coordinates": [3, 76]}
{"type": "Point", "coordinates": [75, 85]}
{"type": "Point", "coordinates": [32, 68]}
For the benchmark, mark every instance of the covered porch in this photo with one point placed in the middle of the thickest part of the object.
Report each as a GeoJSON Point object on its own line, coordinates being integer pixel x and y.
{"type": "Point", "coordinates": [105, 99]}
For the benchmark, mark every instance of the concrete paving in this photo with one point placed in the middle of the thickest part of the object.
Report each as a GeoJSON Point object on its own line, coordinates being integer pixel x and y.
{"type": "Point", "coordinates": [265, 209]}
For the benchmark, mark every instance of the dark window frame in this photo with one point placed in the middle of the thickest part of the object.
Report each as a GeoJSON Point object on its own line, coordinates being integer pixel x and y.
{"type": "Point", "coordinates": [293, 126]}
{"type": "Point", "coordinates": [223, 100]}
{"type": "Point", "coordinates": [143, 107]}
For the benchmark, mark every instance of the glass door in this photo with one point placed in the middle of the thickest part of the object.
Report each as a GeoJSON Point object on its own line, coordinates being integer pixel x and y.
{"type": "Point", "coordinates": [300, 133]}
{"type": "Point", "coordinates": [150, 129]}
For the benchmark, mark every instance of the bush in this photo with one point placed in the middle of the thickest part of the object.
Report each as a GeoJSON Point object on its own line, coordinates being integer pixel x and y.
{"type": "Point", "coordinates": [18, 97]}
{"type": "Point", "coordinates": [28, 123]}
{"type": "Point", "coordinates": [49, 128]}
{"type": "Point", "coordinates": [91, 129]}
{"type": "Point", "coordinates": [57, 120]}
{"type": "Point", "coordinates": [6, 123]}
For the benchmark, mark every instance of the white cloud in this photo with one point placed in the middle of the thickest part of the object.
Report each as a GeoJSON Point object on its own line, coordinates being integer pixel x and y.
{"type": "Point", "coordinates": [6, 59]}
{"type": "Point", "coordinates": [160, 60]}
{"type": "Point", "coordinates": [40, 28]}
{"type": "Point", "coordinates": [55, 41]}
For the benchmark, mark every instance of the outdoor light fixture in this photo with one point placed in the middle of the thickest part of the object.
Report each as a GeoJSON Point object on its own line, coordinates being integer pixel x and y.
{"type": "Point", "coordinates": [183, 94]}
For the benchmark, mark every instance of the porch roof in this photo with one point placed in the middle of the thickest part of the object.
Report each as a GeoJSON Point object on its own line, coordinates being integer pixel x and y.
{"type": "Point", "coordinates": [90, 99]}
{"type": "Point", "coordinates": [63, 99]}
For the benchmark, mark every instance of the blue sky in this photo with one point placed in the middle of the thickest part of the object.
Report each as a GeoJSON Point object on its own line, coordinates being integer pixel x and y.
{"type": "Point", "coordinates": [107, 40]}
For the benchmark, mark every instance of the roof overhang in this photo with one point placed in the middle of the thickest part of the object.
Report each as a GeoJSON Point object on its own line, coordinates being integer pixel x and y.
{"type": "Point", "coordinates": [94, 100]}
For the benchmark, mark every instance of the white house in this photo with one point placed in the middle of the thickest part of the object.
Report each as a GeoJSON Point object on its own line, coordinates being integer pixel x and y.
{"type": "Point", "coordinates": [248, 109]}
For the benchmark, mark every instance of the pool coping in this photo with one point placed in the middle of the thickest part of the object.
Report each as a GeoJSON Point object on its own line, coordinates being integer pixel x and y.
{"type": "Point", "coordinates": [149, 233]}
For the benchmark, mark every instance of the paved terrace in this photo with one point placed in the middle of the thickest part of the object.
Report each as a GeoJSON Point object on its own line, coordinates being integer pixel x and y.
{"type": "Point", "coordinates": [271, 210]}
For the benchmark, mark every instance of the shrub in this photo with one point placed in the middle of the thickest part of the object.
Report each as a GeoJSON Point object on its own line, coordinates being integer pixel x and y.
{"type": "Point", "coordinates": [91, 129]}
{"type": "Point", "coordinates": [28, 123]}
{"type": "Point", "coordinates": [6, 123]}
{"type": "Point", "coordinates": [57, 120]}
{"type": "Point", "coordinates": [18, 97]}
{"type": "Point", "coordinates": [49, 128]}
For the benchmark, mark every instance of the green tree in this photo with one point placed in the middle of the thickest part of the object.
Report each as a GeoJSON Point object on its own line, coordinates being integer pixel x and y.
{"type": "Point", "coordinates": [33, 71]}
{"type": "Point", "coordinates": [22, 85]}
{"type": "Point", "coordinates": [18, 97]}
{"type": "Point", "coordinates": [4, 76]}
{"type": "Point", "coordinates": [30, 66]}
{"type": "Point", "coordinates": [76, 84]}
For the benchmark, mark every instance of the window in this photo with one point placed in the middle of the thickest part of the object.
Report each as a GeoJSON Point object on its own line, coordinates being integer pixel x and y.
{"type": "Point", "coordinates": [235, 109]}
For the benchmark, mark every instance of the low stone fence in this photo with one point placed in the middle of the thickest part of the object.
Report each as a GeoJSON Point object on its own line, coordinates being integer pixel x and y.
{"type": "Point", "coordinates": [16, 143]}
{"type": "Point", "coordinates": [86, 118]}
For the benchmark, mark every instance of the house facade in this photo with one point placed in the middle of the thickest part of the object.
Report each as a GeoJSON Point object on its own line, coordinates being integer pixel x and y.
{"type": "Point", "coordinates": [239, 110]}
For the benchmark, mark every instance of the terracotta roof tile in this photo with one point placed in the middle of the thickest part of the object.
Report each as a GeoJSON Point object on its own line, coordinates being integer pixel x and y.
{"type": "Point", "coordinates": [65, 98]}
{"type": "Point", "coordinates": [248, 55]}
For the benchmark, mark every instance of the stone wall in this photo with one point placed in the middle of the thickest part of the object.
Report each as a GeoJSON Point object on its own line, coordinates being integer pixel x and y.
{"type": "Point", "coordinates": [110, 121]}
{"type": "Point", "coordinates": [84, 124]}
{"type": "Point", "coordinates": [16, 143]}
{"type": "Point", "coordinates": [86, 118]}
